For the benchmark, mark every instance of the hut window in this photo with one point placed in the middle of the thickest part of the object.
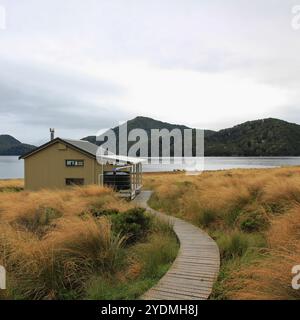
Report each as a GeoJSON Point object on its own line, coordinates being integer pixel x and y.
{"type": "Point", "coordinates": [74, 181]}
{"type": "Point", "coordinates": [74, 163]}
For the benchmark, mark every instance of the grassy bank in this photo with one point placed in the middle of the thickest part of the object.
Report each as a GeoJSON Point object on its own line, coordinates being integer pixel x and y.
{"type": "Point", "coordinates": [254, 215]}
{"type": "Point", "coordinates": [82, 243]}
{"type": "Point", "coordinates": [11, 185]}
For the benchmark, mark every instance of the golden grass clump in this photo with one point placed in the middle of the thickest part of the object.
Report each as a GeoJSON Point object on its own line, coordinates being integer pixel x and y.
{"type": "Point", "coordinates": [80, 243]}
{"type": "Point", "coordinates": [225, 193]}
{"type": "Point", "coordinates": [51, 246]}
{"type": "Point", "coordinates": [11, 185]}
{"type": "Point", "coordinates": [271, 277]}
{"type": "Point", "coordinates": [253, 214]}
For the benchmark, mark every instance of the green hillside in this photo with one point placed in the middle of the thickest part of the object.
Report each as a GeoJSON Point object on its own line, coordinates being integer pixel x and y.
{"type": "Point", "coordinates": [10, 146]}
{"type": "Point", "coordinates": [266, 137]}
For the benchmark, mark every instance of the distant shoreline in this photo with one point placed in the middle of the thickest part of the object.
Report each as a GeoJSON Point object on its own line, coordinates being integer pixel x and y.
{"type": "Point", "coordinates": [248, 157]}
{"type": "Point", "coordinates": [149, 173]}
{"type": "Point", "coordinates": [12, 168]}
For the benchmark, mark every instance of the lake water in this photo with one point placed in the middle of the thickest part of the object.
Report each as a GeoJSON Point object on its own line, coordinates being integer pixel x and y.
{"type": "Point", "coordinates": [11, 167]}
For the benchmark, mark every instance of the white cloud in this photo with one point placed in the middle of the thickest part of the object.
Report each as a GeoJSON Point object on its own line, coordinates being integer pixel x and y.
{"type": "Point", "coordinates": [210, 63]}
{"type": "Point", "coordinates": [191, 97]}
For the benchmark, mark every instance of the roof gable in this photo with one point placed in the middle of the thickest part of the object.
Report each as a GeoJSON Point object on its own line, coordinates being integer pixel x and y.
{"type": "Point", "coordinates": [86, 148]}
{"type": "Point", "coordinates": [82, 146]}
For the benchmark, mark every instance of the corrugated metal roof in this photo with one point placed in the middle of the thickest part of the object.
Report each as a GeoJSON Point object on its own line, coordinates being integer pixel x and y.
{"type": "Point", "coordinates": [89, 148]}
{"type": "Point", "coordinates": [92, 148]}
{"type": "Point", "coordinates": [83, 145]}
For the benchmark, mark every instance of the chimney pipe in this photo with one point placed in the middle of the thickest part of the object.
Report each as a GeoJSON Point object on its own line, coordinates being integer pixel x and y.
{"type": "Point", "coordinates": [52, 133]}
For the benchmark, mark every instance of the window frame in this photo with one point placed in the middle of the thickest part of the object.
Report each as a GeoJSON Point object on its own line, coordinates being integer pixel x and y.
{"type": "Point", "coordinates": [74, 184]}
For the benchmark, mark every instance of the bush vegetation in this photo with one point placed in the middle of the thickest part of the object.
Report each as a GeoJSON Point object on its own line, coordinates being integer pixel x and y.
{"type": "Point", "coordinates": [133, 223]}
{"type": "Point", "coordinates": [254, 217]}
{"type": "Point", "coordinates": [81, 243]}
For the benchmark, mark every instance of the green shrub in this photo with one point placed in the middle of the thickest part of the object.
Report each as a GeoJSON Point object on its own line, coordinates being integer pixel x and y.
{"type": "Point", "coordinates": [276, 208]}
{"type": "Point", "coordinates": [231, 216]}
{"type": "Point", "coordinates": [133, 224]}
{"type": "Point", "coordinates": [103, 212]}
{"type": "Point", "coordinates": [253, 221]}
{"type": "Point", "coordinates": [236, 244]}
{"type": "Point", "coordinates": [206, 217]}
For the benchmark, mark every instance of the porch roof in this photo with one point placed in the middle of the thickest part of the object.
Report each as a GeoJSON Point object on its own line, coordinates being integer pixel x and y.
{"type": "Point", "coordinates": [120, 158]}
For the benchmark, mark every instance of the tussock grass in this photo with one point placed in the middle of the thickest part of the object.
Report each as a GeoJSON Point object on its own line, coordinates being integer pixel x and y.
{"type": "Point", "coordinates": [254, 217]}
{"type": "Point", "coordinates": [149, 261]}
{"type": "Point", "coordinates": [11, 185]}
{"type": "Point", "coordinates": [271, 278]}
{"type": "Point", "coordinates": [235, 244]}
{"type": "Point", "coordinates": [54, 246]}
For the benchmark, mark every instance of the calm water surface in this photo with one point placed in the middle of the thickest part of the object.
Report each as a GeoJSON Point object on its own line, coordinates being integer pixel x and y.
{"type": "Point", "coordinates": [11, 167]}
{"type": "Point", "coordinates": [223, 163]}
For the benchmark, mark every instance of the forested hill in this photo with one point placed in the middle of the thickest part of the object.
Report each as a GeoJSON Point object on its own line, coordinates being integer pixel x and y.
{"type": "Point", "coordinates": [142, 123]}
{"type": "Point", "coordinates": [10, 146]}
{"type": "Point", "coordinates": [266, 137]}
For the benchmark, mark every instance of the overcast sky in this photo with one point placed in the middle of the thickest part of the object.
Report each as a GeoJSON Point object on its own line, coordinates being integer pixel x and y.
{"type": "Point", "coordinates": [84, 65]}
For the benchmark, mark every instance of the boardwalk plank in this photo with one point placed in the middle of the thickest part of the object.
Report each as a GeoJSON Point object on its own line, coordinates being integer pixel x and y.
{"type": "Point", "coordinates": [196, 267]}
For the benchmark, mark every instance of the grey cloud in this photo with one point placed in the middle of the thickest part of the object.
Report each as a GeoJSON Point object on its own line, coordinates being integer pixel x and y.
{"type": "Point", "coordinates": [288, 113]}
{"type": "Point", "coordinates": [35, 97]}
{"type": "Point", "coordinates": [252, 38]}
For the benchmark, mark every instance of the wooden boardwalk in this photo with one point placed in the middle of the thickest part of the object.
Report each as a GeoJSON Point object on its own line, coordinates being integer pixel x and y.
{"type": "Point", "coordinates": [196, 267]}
